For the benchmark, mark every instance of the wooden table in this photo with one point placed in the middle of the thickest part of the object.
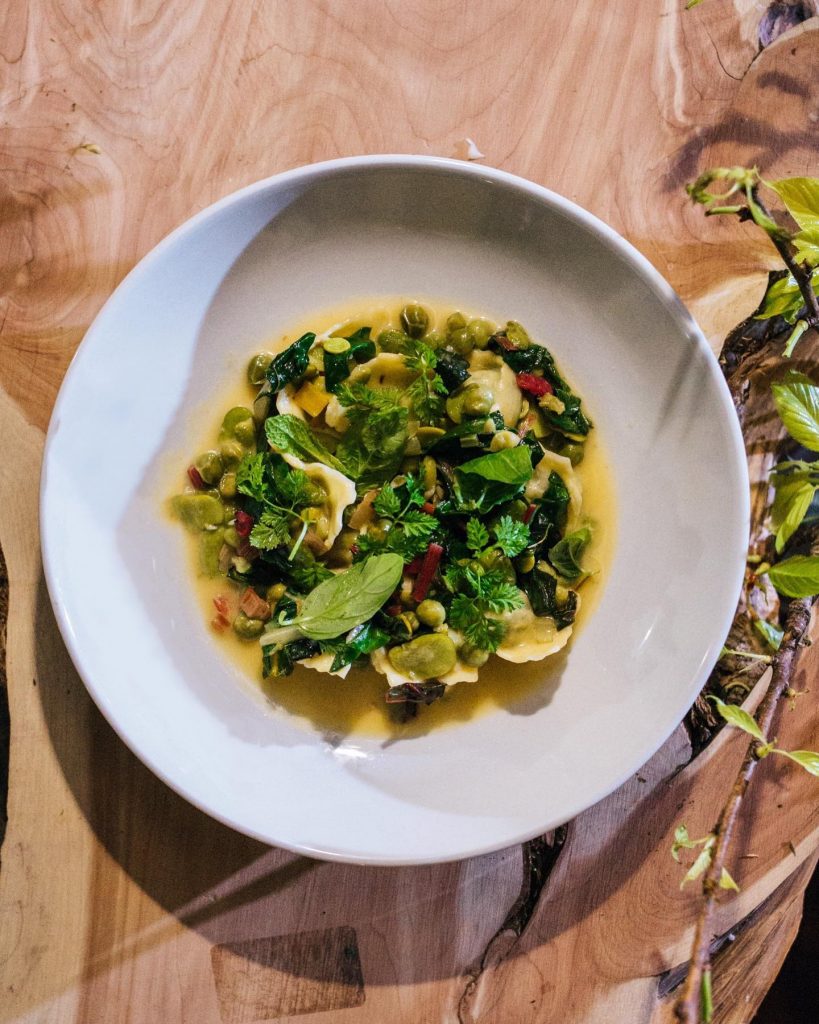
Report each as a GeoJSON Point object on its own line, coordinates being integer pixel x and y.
{"type": "Point", "coordinates": [118, 901]}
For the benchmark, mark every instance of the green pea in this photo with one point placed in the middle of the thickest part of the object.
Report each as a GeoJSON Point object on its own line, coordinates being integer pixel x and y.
{"type": "Point", "coordinates": [257, 368]}
{"type": "Point", "coordinates": [227, 485]}
{"type": "Point", "coordinates": [414, 320]}
{"type": "Point", "coordinates": [518, 509]}
{"type": "Point", "coordinates": [232, 538]}
{"type": "Point", "coordinates": [435, 340]}
{"type": "Point", "coordinates": [431, 613]}
{"type": "Point", "coordinates": [495, 559]}
{"type": "Point", "coordinates": [210, 548]}
{"type": "Point", "coordinates": [426, 657]}
{"type": "Point", "coordinates": [455, 322]}
{"type": "Point", "coordinates": [247, 629]}
{"type": "Point", "coordinates": [525, 562]}
{"type": "Point", "coordinates": [245, 431]}
{"type": "Point", "coordinates": [460, 342]}
{"type": "Point", "coordinates": [517, 334]}
{"type": "Point", "coordinates": [478, 400]}
{"type": "Point", "coordinates": [341, 554]}
{"type": "Point", "coordinates": [479, 331]}
{"type": "Point", "coordinates": [198, 510]}
{"type": "Point", "coordinates": [573, 452]}
{"type": "Point", "coordinates": [275, 593]}
{"type": "Point", "coordinates": [504, 439]}
{"type": "Point", "coordinates": [455, 406]}
{"type": "Point", "coordinates": [210, 467]}
{"type": "Point", "coordinates": [393, 341]}
{"type": "Point", "coordinates": [473, 656]}
{"type": "Point", "coordinates": [233, 416]}
{"type": "Point", "coordinates": [232, 453]}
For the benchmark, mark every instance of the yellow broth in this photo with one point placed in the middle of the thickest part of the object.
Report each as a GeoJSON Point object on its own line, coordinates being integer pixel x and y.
{"type": "Point", "coordinates": [356, 703]}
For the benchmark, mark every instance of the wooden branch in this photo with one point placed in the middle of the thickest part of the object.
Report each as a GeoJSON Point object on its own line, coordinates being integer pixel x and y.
{"type": "Point", "coordinates": [687, 1007]}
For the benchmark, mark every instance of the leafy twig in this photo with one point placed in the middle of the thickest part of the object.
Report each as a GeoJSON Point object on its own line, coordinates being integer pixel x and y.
{"type": "Point", "coordinates": [688, 1006]}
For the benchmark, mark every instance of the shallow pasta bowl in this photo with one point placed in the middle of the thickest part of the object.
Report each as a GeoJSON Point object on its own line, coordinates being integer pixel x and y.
{"type": "Point", "coordinates": [186, 319]}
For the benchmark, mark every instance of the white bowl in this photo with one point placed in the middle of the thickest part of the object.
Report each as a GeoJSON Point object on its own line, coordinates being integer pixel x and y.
{"type": "Point", "coordinates": [306, 240]}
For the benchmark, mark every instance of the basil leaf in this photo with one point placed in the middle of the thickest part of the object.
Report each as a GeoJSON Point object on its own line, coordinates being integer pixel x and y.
{"type": "Point", "coordinates": [769, 633]}
{"type": "Point", "coordinates": [808, 759]}
{"type": "Point", "coordinates": [509, 466]}
{"type": "Point", "coordinates": [289, 434]}
{"type": "Point", "coordinates": [349, 598]}
{"type": "Point", "coordinates": [738, 718]}
{"type": "Point", "coordinates": [289, 366]}
{"type": "Point", "coordinates": [791, 504]}
{"type": "Point", "coordinates": [566, 554]}
{"type": "Point", "coordinates": [797, 401]}
{"type": "Point", "coordinates": [797, 576]}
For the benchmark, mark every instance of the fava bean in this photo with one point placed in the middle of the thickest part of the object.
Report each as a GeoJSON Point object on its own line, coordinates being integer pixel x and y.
{"type": "Point", "coordinates": [198, 510]}
{"type": "Point", "coordinates": [257, 368]}
{"type": "Point", "coordinates": [473, 656]}
{"type": "Point", "coordinates": [227, 485]}
{"type": "Point", "coordinates": [210, 467]}
{"type": "Point", "coordinates": [247, 629]}
{"type": "Point", "coordinates": [425, 657]}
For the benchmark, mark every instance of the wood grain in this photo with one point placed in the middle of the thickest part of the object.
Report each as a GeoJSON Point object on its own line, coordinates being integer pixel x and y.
{"type": "Point", "coordinates": [118, 901]}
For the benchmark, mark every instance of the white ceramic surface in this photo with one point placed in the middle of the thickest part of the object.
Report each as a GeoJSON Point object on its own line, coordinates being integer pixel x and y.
{"type": "Point", "coordinates": [309, 239]}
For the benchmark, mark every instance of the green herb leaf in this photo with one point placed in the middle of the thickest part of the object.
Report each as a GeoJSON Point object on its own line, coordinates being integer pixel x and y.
{"type": "Point", "coordinates": [289, 434]}
{"type": "Point", "coordinates": [360, 641]}
{"type": "Point", "coordinates": [737, 717]}
{"type": "Point", "coordinates": [797, 576]}
{"type": "Point", "coordinates": [511, 536]}
{"type": "Point", "coordinates": [807, 759]}
{"type": "Point", "coordinates": [427, 390]}
{"type": "Point", "coordinates": [726, 881]}
{"type": "Point", "coordinates": [373, 445]}
{"type": "Point", "coordinates": [797, 400]}
{"type": "Point", "coordinates": [791, 504]}
{"type": "Point", "coordinates": [308, 575]}
{"type": "Point", "coordinates": [270, 531]}
{"type": "Point", "coordinates": [349, 598]}
{"type": "Point", "coordinates": [509, 466]}
{"type": "Point", "coordinates": [769, 633]}
{"type": "Point", "coordinates": [477, 535]}
{"type": "Point", "coordinates": [490, 480]}
{"type": "Point", "coordinates": [551, 512]}
{"type": "Point", "coordinates": [566, 554]}
{"type": "Point", "coordinates": [387, 504]}
{"type": "Point", "coordinates": [288, 367]}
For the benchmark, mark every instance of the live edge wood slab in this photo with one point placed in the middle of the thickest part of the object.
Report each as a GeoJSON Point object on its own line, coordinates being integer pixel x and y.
{"type": "Point", "coordinates": [118, 901]}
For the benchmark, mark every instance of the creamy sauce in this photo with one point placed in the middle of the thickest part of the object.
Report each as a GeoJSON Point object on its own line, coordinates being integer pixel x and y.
{"type": "Point", "coordinates": [356, 703]}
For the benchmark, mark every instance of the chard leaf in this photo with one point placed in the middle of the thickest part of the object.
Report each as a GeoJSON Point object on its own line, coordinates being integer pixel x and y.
{"type": "Point", "coordinates": [289, 434]}
{"type": "Point", "coordinates": [797, 576]}
{"type": "Point", "coordinates": [797, 401]}
{"type": "Point", "coordinates": [288, 367]}
{"type": "Point", "coordinates": [349, 598]}
{"type": "Point", "coordinates": [738, 717]}
{"type": "Point", "coordinates": [566, 554]}
{"type": "Point", "coordinates": [508, 466]}
{"type": "Point", "coordinates": [360, 641]}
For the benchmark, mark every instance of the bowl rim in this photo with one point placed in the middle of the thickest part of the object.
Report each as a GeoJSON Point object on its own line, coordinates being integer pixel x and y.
{"type": "Point", "coordinates": [603, 232]}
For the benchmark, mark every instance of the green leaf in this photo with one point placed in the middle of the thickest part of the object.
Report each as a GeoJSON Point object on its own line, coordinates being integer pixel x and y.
{"type": "Point", "coordinates": [477, 535]}
{"type": "Point", "coordinates": [801, 199]}
{"type": "Point", "coordinates": [566, 554]}
{"type": "Point", "coordinates": [797, 576]}
{"type": "Point", "coordinates": [702, 863]}
{"type": "Point", "coordinates": [251, 477]}
{"type": "Point", "coordinates": [349, 598]}
{"type": "Point", "coordinates": [797, 401]}
{"type": "Point", "coordinates": [509, 466]}
{"type": "Point", "coordinates": [783, 298]}
{"type": "Point", "coordinates": [373, 445]}
{"type": "Point", "coordinates": [791, 503]}
{"type": "Point", "coordinates": [726, 881]}
{"type": "Point", "coordinates": [737, 717]}
{"type": "Point", "coordinates": [289, 434]}
{"type": "Point", "coordinates": [271, 531]}
{"type": "Point", "coordinates": [769, 633]}
{"type": "Point", "coordinates": [361, 640]}
{"type": "Point", "coordinates": [387, 504]}
{"type": "Point", "coordinates": [289, 366]}
{"type": "Point", "coordinates": [807, 759]}
{"type": "Point", "coordinates": [511, 536]}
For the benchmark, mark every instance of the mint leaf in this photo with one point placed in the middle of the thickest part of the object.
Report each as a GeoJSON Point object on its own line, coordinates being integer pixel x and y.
{"type": "Point", "coordinates": [289, 434]}
{"type": "Point", "coordinates": [738, 718]}
{"type": "Point", "coordinates": [797, 576]}
{"type": "Point", "coordinates": [769, 633]}
{"type": "Point", "coordinates": [566, 554]}
{"type": "Point", "coordinates": [791, 504]}
{"type": "Point", "coordinates": [797, 401]}
{"type": "Point", "coordinates": [477, 535]}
